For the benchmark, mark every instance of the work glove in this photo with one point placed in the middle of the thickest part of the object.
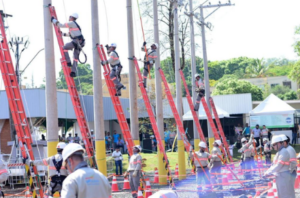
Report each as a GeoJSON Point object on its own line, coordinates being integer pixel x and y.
{"type": "Point", "coordinates": [145, 43]}
{"type": "Point", "coordinates": [103, 63]}
{"type": "Point", "coordinates": [197, 90]}
{"type": "Point", "coordinates": [31, 163]}
{"type": "Point", "coordinates": [107, 47]}
{"type": "Point", "coordinates": [134, 174]}
{"type": "Point", "coordinates": [52, 19]}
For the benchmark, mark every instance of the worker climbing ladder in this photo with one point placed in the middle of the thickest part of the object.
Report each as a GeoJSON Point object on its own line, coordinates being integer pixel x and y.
{"type": "Point", "coordinates": [187, 145]}
{"type": "Point", "coordinates": [153, 122]}
{"type": "Point", "coordinates": [116, 102]}
{"type": "Point", "coordinates": [18, 113]}
{"type": "Point", "coordinates": [194, 113]}
{"type": "Point", "coordinates": [213, 107]}
{"type": "Point", "coordinates": [74, 95]}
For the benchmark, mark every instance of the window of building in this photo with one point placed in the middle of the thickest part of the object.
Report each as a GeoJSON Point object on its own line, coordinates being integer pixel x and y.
{"type": "Point", "coordinates": [287, 84]}
{"type": "Point", "coordinates": [273, 85]}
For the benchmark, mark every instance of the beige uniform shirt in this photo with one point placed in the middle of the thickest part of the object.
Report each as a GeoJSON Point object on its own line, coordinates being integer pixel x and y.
{"type": "Point", "coordinates": [246, 148]}
{"type": "Point", "coordinates": [74, 30]}
{"type": "Point", "coordinates": [215, 153]}
{"type": "Point", "coordinates": [135, 163]}
{"type": "Point", "coordinates": [202, 157]}
{"type": "Point", "coordinates": [152, 55]}
{"type": "Point", "coordinates": [86, 182]}
{"type": "Point", "coordinates": [49, 162]}
{"type": "Point", "coordinates": [293, 158]}
{"type": "Point", "coordinates": [113, 59]}
{"type": "Point", "coordinates": [281, 162]}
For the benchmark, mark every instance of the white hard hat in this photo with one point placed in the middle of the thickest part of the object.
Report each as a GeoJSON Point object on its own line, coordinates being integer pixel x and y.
{"type": "Point", "coordinates": [156, 45]}
{"type": "Point", "coordinates": [61, 145]}
{"type": "Point", "coordinates": [151, 136]}
{"type": "Point", "coordinates": [70, 149]}
{"type": "Point", "coordinates": [276, 139]}
{"type": "Point", "coordinates": [75, 15]}
{"type": "Point", "coordinates": [113, 45]}
{"type": "Point", "coordinates": [138, 147]}
{"type": "Point", "coordinates": [265, 139]}
{"type": "Point", "coordinates": [197, 75]}
{"type": "Point", "coordinates": [283, 137]}
{"type": "Point", "coordinates": [202, 144]}
{"type": "Point", "coordinates": [218, 142]}
{"type": "Point", "coordinates": [243, 140]}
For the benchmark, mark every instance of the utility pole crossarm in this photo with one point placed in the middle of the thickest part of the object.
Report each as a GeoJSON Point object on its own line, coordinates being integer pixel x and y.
{"type": "Point", "coordinates": [217, 5]}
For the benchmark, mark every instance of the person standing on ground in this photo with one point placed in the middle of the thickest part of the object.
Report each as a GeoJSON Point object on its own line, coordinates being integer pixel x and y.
{"type": "Point", "coordinates": [216, 163]}
{"type": "Point", "coordinates": [83, 181]}
{"type": "Point", "coordinates": [247, 156]}
{"type": "Point", "coordinates": [280, 168]}
{"type": "Point", "coordinates": [76, 138]}
{"type": "Point", "coordinates": [77, 42]}
{"type": "Point", "coordinates": [152, 56]}
{"type": "Point", "coordinates": [70, 138]}
{"type": "Point", "coordinates": [202, 172]}
{"type": "Point", "coordinates": [57, 172]}
{"type": "Point", "coordinates": [167, 137]}
{"type": "Point", "coordinates": [120, 144]}
{"type": "Point", "coordinates": [267, 150]}
{"type": "Point", "coordinates": [294, 136]}
{"type": "Point", "coordinates": [246, 131]}
{"type": "Point", "coordinates": [172, 138]}
{"type": "Point", "coordinates": [117, 155]}
{"type": "Point", "coordinates": [200, 90]}
{"type": "Point", "coordinates": [116, 67]}
{"type": "Point", "coordinates": [264, 133]}
{"type": "Point", "coordinates": [134, 170]}
{"type": "Point", "coordinates": [256, 132]}
{"type": "Point", "coordinates": [293, 159]}
{"type": "Point", "coordinates": [115, 138]}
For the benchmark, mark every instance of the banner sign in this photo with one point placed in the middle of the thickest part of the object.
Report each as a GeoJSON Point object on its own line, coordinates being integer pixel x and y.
{"type": "Point", "coordinates": [273, 121]}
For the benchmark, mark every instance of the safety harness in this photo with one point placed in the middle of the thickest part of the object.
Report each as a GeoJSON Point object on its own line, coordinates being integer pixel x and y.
{"type": "Point", "coordinates": [120, 67]}
{"type": "Point", "coordinates": [57, 179]}
{"type": "Point", "coordinates": [79, 44]}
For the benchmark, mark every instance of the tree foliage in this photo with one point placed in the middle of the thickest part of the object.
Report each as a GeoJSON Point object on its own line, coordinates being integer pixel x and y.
{"type": "Point", "coordinates": [284, 93]}
{"type": "Point", "coordinates": [230, 84]}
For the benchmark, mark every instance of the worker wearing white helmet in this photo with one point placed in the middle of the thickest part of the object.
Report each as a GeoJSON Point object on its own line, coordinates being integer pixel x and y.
{"type": "Point", "coordinates": [267, 150]}
{"type": "Point", "coordinates": [83, 181]}
{"type": "Point", "coordinates": [202, 172]}
{"type": "Point", "coordinates": [215, 162]}
{"type": "Point", "coordinates": [281, 169]}
{"type": "Point", "coordinates": [200, 90]}
{"type": "Point", "coordinates": [246, 156]}
{"type": "Point", "coordinates": [4, 174]}
{"type": "Point", "coordinates": [57, 172]}
{"type": "Point", "coordinates": [152, 56]}
{"type": "Point", "coordinates": [116, 67]}
{"type": "Point", "coordinates": [134, 170]}
{"type": "Point", "coordinates": [77, 42]}
{"type": "Point", "coordinates": [293, 159]}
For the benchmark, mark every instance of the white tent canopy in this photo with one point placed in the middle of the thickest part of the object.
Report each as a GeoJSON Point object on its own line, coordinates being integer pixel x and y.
{"type": "Point", "coordinates": [272, 105]}
{"type": "Point", "coordinates": [202, 114]}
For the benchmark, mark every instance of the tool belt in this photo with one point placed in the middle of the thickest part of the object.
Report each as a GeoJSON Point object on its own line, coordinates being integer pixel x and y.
{"type": "Point", "coordinates": [202, 166]}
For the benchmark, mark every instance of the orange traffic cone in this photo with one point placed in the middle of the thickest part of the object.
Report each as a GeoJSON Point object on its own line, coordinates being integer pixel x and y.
{"type": "Point", "coordinates": [126, 185]}
{"type": "Point", "coordinates": [140, 193]}
{"type": "Point", "coordinates": [148, 189]}
{"type": "Point", "coordinates": [176, 171]}
{"type": "Point", "coordinates": [27, 193]}
{"type": "Point", "coordinates": [156, 180]}
{"type": "Point", "coordinates": [270, 191]}
{"type": "Point", "coordinates": [297, 181]}
{"type": "Point", "coordinates": [250, 196]}
{"type": "Point", "coordinates": [275, 189]}
{"type": "Point", "coordinates": [114, 185]}
{"type": "Point", "coordinates": [56, 194]}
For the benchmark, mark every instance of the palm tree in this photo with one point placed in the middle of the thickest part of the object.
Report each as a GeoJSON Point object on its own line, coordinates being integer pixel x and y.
{"type": "Point", "coordinates": [259, 70]}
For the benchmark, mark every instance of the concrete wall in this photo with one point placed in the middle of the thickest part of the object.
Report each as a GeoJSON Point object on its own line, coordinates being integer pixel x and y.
{"type": "Point", "coordinates": [5, 136]}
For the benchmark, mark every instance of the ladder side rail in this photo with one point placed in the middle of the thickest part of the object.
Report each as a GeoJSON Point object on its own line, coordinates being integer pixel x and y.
{"type": "Point", "coordinates": [116, 102]}
{"type": "Point", "coordinates": [72, 90]}
{"type": "Point", "coordinates": [190, 102]}
{"type": "Point", "coordinates": [12, 90]}
{"type": "Point", "coordinates": [152, 118]}
{"type": "Point", "coordinates": [187, 145]}
{"type": "Point", "coordinates": [120, 113]}
{"type": "Point", "coordinates": [220, 127]}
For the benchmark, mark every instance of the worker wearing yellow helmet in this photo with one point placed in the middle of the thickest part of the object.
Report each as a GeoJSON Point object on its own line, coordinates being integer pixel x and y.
{"type": "Point", "coordinates": [77, 42]}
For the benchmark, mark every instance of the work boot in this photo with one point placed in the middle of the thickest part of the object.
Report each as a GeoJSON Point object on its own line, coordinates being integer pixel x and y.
{"type": "Point", "coordinates": [69, 64]}
{"type": "Point", "coordinates": [118, 94]}
{"type": "Point", "coordinates": [73, 74]}
{"type": "Point", "coordinates": [122, 87]}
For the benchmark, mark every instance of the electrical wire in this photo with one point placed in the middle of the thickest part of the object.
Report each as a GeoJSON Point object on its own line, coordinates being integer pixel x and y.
{"type": "Point", "coordinates": [107, 27]}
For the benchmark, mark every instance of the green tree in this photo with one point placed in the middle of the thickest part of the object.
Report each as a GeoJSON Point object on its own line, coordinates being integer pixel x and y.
{"type": "Point", "coordinates": [284, 93]}
{"type": "Point", "coordinates": [83, 81]}
{"type": "Point", "coordinates": [297, 41]}
{"type": "Point", "coordinates": [258, 70]}
{"type": "Point", "coordinates": [232, 85]}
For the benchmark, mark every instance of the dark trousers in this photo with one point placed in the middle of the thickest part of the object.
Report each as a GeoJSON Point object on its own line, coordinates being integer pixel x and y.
{"type": "Point", "coordinates": [118, 166]}
{"type": "Point", "coordinates": [257, 140]}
